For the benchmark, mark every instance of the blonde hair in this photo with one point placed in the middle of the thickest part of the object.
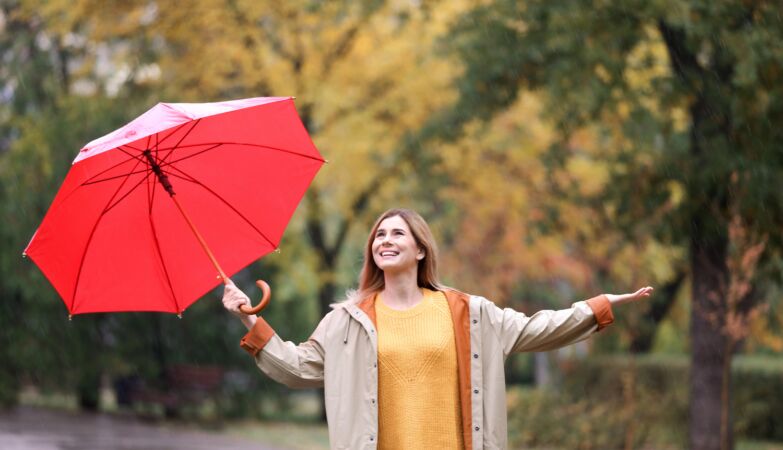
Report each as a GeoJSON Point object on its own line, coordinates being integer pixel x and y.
{"type": "Point", "coordinates": [371, 279]}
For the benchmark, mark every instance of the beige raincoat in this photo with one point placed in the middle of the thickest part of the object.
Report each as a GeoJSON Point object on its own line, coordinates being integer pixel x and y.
{"type": "Point", "coordinates": [341, 356]}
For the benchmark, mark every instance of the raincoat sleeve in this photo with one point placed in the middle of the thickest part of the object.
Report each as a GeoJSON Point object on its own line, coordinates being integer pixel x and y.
{"type": "Point", "coordinates": [548, 330]}
{"type": "Point", "coordinates": [296, 366]}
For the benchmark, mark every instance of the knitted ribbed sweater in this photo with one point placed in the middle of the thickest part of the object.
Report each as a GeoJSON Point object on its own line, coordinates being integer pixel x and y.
{"type": "Point", "coordinates": [418, 387]}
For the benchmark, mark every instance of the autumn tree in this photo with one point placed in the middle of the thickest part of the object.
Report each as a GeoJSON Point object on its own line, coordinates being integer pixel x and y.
{"type": "Point", "coordinates": [365, 76]}
{"type": "Point", "coordinates": [687, 128]}
{"type": "Point", "coordinates": [364, 73]}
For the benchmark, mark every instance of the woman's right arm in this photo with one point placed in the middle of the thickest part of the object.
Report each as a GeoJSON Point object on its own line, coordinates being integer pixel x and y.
{"type": "Point", "coordinates": [296, 366]}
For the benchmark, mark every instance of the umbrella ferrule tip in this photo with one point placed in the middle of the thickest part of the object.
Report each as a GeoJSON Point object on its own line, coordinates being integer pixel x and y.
{"type": "Point", "coordinates": [179, 315]}
{"type": "Point", "coordinates": [24, 255]}
{"type": "Point", "coordinates": [70, 317]}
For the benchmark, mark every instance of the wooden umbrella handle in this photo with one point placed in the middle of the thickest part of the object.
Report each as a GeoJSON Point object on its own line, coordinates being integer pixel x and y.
{"type": "Point", "coordinates": [264, 299]}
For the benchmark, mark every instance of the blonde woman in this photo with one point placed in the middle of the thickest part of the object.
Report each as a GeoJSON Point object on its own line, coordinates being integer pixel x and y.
{"type": "Point", "coordinates": [407, 363]}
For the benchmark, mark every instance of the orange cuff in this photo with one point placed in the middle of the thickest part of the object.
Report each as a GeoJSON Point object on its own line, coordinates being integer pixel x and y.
{"type": "Point", "coordinates": [255, 339]}
{"type": "Point", "coordinates": [602, 309]}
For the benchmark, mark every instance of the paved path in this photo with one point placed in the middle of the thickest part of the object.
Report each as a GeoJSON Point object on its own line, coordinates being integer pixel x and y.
{"type": "Point", "coordinates": [35, 428]}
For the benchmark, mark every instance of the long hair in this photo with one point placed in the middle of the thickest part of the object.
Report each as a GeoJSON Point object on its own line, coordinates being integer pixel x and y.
{"type": "Point", "coordinates": [371, 279]}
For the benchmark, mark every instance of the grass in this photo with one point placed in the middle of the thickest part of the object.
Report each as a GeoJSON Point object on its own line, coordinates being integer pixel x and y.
{"type": "Point", "coordinates": [294, 436]}
{"type": "Point", "coordinates": [759, 445]}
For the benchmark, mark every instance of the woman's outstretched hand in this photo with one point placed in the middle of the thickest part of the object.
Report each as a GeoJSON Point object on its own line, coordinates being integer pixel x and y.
{"type": "Point", "coordinates": [627, 298]}
{"type": "Point", "coordinates": [233, 298]}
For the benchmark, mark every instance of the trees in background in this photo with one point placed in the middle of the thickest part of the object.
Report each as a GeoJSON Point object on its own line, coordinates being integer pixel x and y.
{"type": "Point", "coordinates": [556, 146]}
{"type": "Point", "coordinates": [685, 97]}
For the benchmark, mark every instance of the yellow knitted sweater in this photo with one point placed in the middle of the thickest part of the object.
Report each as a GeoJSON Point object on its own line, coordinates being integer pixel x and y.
{"type": "Point", "coordinates": [418, 385]}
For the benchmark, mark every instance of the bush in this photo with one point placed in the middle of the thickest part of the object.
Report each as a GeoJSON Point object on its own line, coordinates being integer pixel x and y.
{"type": "Point", "coordinates": [638, 402]}
{"type": "Point", "coordinates": [758, 394]}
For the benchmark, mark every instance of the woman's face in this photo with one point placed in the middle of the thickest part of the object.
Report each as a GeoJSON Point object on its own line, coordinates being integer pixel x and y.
{"type": "Point", "coordinates": [394, 247]}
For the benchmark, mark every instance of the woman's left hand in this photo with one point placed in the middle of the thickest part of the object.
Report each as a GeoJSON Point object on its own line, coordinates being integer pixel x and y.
{"type": "Point", "coordinates": [627, 298]}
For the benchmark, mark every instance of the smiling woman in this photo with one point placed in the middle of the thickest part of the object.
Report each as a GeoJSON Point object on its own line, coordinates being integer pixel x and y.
{"type": "Point", "coordinates": [408, 363]}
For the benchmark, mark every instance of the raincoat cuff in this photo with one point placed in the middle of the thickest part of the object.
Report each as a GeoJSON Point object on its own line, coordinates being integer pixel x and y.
{"type": "Point", "coordinates": [602, 309]}
{"type": "Point", "coordinates": [255, 339]}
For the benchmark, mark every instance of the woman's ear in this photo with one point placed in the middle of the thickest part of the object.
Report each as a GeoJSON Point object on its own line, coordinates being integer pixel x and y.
{"type": "Point", "coordinates": [421, 254]}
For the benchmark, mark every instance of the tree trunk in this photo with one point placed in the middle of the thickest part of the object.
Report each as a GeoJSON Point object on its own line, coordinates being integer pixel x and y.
{"type": "Point", "coordinates": [709, 357]}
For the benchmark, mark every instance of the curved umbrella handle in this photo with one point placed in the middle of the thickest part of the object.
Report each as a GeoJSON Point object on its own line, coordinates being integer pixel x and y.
{"type": "Point", "coordinates": [264, 300]}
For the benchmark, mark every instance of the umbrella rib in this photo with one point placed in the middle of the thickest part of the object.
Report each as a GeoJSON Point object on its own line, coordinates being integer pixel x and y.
{"type": "Point", "coordinates": [131, 147]}
{"type": "Point", "coordinates": [87, 183]}
{"type": "Point", "coordinates": [171, 151]}
{"type": "Point", "coordinates": [172, 133]}
{"type": "Point", "coordinates": [130, 191]}
{"type": "Point", "coordinates": [92, 180]}
{"type": "Point", "coordinates": [132, 157]}
{"type": "Point", "coordinates": [246, 144]}
{"type": "Point", "coordinates": [157, 148]}
{"type": "Point", "coordinates": [166, 164]}
{"type": "Point", "coordinates": [150, 200]}
{"type": "Point", "coordinates": [189, 178]}
{"type": "Point", "coordinates": [136, 157]}
{"type": "Point", "coordinates": [89, 241]}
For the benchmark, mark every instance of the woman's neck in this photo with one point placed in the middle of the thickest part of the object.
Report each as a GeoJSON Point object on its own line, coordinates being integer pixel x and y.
{"type": "Point", "coordinates": [401, 290]}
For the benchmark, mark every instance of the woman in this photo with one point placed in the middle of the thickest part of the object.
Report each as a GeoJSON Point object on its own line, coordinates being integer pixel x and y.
{"type": "Point", "coordinates": [408, 363]}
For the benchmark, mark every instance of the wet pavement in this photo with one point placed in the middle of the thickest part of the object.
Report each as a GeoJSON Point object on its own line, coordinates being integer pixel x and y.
{"type": "Point", "coordinates": [36, 428]}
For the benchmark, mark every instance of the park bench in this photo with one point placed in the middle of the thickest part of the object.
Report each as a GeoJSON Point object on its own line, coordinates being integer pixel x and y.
{"type": "Point", "coordinates": [187, 387]}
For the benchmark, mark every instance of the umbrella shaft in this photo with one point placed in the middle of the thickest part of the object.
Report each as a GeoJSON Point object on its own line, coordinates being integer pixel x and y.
{"type": "Point", "coordinates": [201, 240]}
{"type": "Point", "coordinates": [164, 180]}
{"type": "Point", "coordinates": [162, 177]}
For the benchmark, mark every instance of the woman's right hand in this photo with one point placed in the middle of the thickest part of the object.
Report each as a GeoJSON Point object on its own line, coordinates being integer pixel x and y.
{"type": "Point", "coordinates": [233, 298]}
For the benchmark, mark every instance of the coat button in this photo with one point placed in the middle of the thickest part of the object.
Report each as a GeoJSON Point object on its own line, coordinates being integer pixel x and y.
{"type": "Point", "coordinates": [373, 401]}
{"type": "Point", "coordinates": [475, 355]}
{"type": "Point", "coordinates": [475, 321]}
{"type": "Point", "coordinates": [372, 438]}
{"type": "Point", "coordinates": [477, 428]}
{"type": "Point", "coordinates": [475, 391]}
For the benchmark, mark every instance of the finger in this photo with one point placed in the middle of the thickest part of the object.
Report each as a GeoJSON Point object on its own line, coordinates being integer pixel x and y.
{"type": "Point", "coordinates": [232, 291]}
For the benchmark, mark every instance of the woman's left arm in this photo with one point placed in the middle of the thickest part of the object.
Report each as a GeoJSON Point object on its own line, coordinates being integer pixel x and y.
{"type": "Point", "coordinates": [549, 330]}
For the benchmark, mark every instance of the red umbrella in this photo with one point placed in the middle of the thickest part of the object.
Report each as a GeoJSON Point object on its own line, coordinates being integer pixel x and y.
{"type": "Point", "coordinates": [129, 227]}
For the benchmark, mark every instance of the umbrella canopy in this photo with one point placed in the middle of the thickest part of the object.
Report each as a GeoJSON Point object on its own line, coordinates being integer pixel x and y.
{"type": "Point", "coordinates": [115, 237]}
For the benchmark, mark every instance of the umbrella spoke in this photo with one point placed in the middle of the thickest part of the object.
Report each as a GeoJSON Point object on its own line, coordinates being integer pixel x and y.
{"type": "Point", "coordinates": [166, 164]}
{"type": "Point", "coordinates": [132, 157]}
{"type": "Point", "coordinates": [136, 157]}
{"type": "Point", "coordinates": [158, 251]}
{"type": "Point", "coordinates": [87, 183]}
{"type": "Point", "coordinates": [189, 178]}
{"type": "Point", "coordinates": [179, 127]}
{"type": "Point", "coordinates": [130, 191]}
{"type": "Point", "coordinates": [180, 141]}
{"type": "Point", "coordinates": [131, 147]}
{"type": "Point", "coordinates": [268, 147]}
